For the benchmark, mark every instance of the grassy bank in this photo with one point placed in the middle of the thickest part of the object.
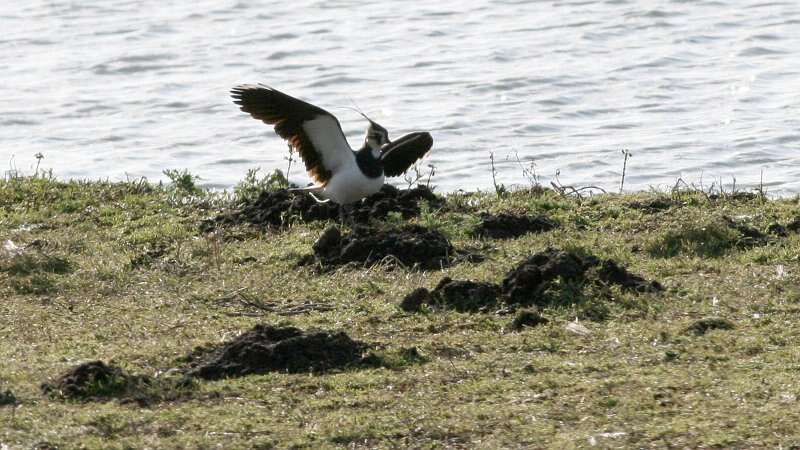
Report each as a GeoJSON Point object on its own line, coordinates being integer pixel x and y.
{"type": "Point", "coordinates": [120, 272]}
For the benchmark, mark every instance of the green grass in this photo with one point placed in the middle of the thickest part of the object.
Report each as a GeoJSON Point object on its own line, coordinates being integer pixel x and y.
{"type": "Point", "coordinates": [119, 272]}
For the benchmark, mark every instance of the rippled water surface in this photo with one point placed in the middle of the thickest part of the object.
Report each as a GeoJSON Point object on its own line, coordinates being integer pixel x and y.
{"type": "Point", "coordinates": [693, 89]}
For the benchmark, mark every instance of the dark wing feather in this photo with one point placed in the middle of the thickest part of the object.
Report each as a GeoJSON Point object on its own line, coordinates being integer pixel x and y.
{"type": "Point", "coordinates": [313, 132]}
{"type": "Point", "coordinates": [400, 154]}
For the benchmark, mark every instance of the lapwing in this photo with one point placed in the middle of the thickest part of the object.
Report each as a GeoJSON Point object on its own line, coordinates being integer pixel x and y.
{"type": "Point", "coordinates": [340, 174]}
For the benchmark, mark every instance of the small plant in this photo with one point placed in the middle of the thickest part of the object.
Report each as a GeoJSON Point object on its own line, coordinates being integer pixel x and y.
{"type": "Point", "coordinates": [529, 172]}
{"type": "Point", "coordinates": [183, 182]}
{"type": "Point", "coordinates": [412, 179]}
{"type": "Point", "coordinates": [252, 186]}
{"type": "Point", "coordinates": [499, 189]}
{"type": "Point", "coordinates": [39, 157]}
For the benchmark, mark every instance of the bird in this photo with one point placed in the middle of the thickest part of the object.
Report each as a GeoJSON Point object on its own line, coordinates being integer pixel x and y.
{"type": "Point", "coordinates": [340, 173]}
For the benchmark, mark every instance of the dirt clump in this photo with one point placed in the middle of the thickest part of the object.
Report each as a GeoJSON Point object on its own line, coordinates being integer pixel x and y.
{"type": "Point", "coordinates": [279, 208]}
{"type": "Point", "coordinates": [389, 199]}
{"type": "Point", "coordinates": [655, 204]}
{"type": "Point", "coordinates": [750, 237]}
{"type": "Point", "coordinates": [458, 295]}
{"type": "Point", "coordinates": [547, 278]}
{"type": "Point", "coordinates": [88, 380]}
{"type": "Point", "coordinates": [794, 225]}
{"type": "Point", "coordinates": [529, 283]}
{"type": "Point", "coordinates": [414, 301]}
{"type": "Point", "coordinates": [266, 349]}
{"type": "Point", "coordinates": [411, 245]}
{"type": "Point", "coordinates": [612, 273]}
{"type": "Point", "coordinates": [783, 230]}
{"type": "Point", "coordinates": [98, 381]}
{"type": "Point", "coordinates": [525, 319]}
{"type": "Point", "coordinates": [92, 380]}
{"type": "Point", "coordinates": [703, 326]}
{"type": "Point", "coordinates": [507, 226]}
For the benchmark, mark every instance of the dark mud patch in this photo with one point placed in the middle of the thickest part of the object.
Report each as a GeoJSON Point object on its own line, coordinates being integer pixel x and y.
{"type": "Point", "coordinates": [458, 295]}
{"type": "Point", "coordinates": [749, 236]}
{"type": "Point", "coordinates": [414, 246]}
{"type": "Point", "coordinates": [654, 205]}
{"type": "Point", "coordinates": [741, 196]}
{"type": "Point", "coordinates": [548, 278]}
{"type": "Point", "coordinates": [783, 230]}
{"type": "Point", "coordinates": [527, 319]}
{"type": "Point", "coordinates": [267, 349]}
{"type": "Point", "coordinates": [98, 381]}
{"type": "Point", "coordinates": [7, 398]}
{"type": "Point", "coordinates": [508, 226]}
{"type": "Point", "coordinates": [276, 209]}
{"type": "Point", "coordinates": [703, 326]}
{"type": "Point", "coordinates": [545, 277]}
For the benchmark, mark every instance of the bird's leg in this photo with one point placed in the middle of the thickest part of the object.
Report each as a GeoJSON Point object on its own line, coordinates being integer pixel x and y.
{"type": "Point", "coordinates": [341, 216]}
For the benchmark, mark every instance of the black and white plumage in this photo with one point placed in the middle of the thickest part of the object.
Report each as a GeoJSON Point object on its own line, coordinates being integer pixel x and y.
{"type": "Point", "coordinates": [340, 173]}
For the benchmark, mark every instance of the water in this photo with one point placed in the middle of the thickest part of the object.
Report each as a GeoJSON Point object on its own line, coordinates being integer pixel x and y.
{"type": "Point", "coordinates": [694, 89]}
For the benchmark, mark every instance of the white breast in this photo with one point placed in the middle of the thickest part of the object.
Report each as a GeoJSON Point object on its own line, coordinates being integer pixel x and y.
{"type": "Point", "coordinates": [350, 185]}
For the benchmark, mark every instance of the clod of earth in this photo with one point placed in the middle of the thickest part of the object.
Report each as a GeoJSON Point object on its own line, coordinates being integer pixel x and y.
{"type": "Point", "coordinates": [703, 326]}
{"type": "Point", "coordinates": [98, 381]}
{"type": "Point", "coordinates": [653, 205]}
{"type": "Point", "coordinates": [274, 209]}
{"type": "Point", "coordinates": [458, 295]}
{"type": "Point", "coordinates": [794, 225]}
{"type": "Point", "coordinates": [751, 237]}
{"type": "Point", "coordinates": [506, 226]}
{"type": "Point", "coordinates": [527, 318]}
{"type": "Point", "coordinates": [7, 398]}
{"type": "Point", "coordinates": [783, 231]}
{"type": "Point", "coordinates": [91, 380]}
{"type": "Point", "coordinates": [528, 282]}
{"type": "Point", "coordinates": [412, 245]}
{"type": "Point", "coordinates": [265, 349]}
{"type": "Point", "coordinates": [777, 229]}
{"type": "Point", "coordinates": [413, 302]}
{"type": "Point", "coordinates": [611, 272]}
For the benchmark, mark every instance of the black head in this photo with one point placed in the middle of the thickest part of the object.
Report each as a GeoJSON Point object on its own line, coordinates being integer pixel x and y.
{"type": "Point", "coordinates": [376, 137]}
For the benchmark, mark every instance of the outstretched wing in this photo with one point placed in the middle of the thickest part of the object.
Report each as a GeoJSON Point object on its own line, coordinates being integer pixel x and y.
{"type": "Point", "coordinates": [313, 132]}
{"type": "Point", "coordinates": [398, 155]}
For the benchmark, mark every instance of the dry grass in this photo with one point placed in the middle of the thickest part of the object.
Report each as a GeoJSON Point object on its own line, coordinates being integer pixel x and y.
{"type": "Point", "coordinates": [119, 272]}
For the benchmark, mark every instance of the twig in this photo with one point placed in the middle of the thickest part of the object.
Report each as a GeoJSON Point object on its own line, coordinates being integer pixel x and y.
{"type": "Point", "coordinates": [39, 156]}
{"type": "Point", "coordinates": [566, 190]}
{"type": "Point", "coordinates": [627, 154]}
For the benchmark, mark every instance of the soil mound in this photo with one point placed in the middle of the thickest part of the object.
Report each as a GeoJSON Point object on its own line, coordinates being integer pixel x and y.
{"type": "Point", "coordinates": [98, 381]}
{"type": "Point", "coordinates": [507, 226]}
{"type": "Point", "coordinates": [528, 283]}
{"type": "Point", "coordinates": [525, 319]}
{"type": "Point", "coordinates": [90, 380]}
{"type": "Point", "coordinates": [544, 279]}
{"type": "Point", "coordinates": [655, 204]}
{"type": "Point", "coordinates": [266, 349]}
{"type": "Point", "coordinates": [274, 209]}
{"type": "Point", "coordinates": [412, 245]}
{"type": "Point", "coordinates": [459, 295]}
{"type": "Point", "coordinates": [612, 273]}
{"type": "Point", "coordinates": [703, 326]}
{"type": "Point", "coordinates": [750, 237]}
